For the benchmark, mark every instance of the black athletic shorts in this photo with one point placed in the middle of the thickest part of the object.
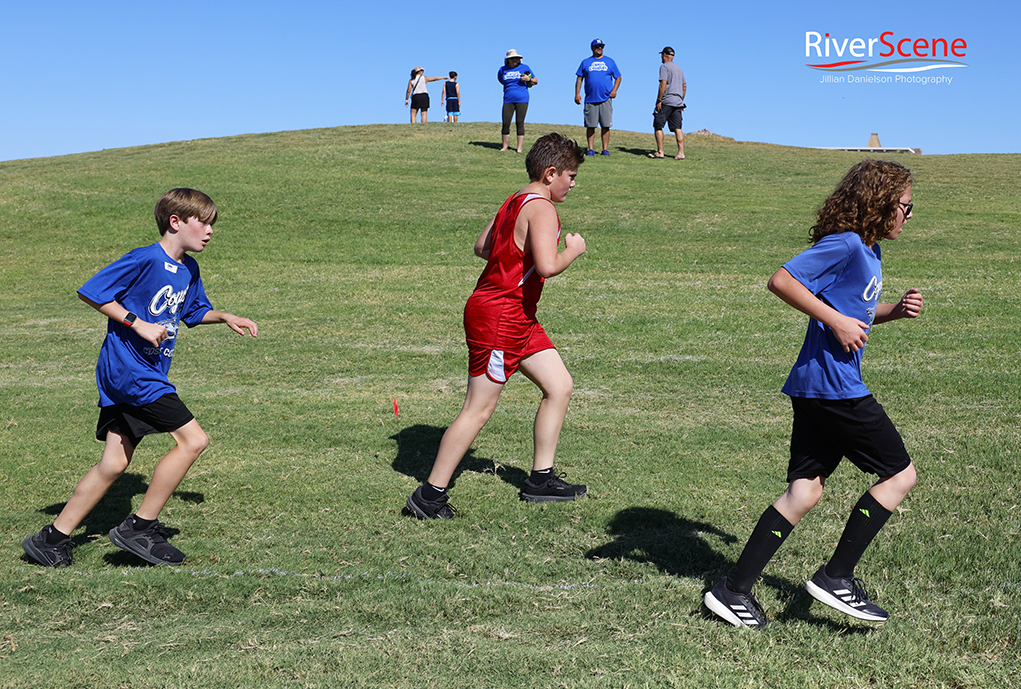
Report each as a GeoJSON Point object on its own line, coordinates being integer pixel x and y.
{"type": "Point", "coordinates": [420, 101]}
{"type": "Point", "coordinates": [825, 431]}
{"type": "Point", "coordinates": [672, 116]}
{"type": "Point", "coordinates": [166, 414]}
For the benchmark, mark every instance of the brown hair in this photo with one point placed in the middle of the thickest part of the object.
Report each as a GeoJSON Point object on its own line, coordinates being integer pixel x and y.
{"type": "Point", "coordinates": [553, 150]}
{"type": "Point", "coordinates": [185, 204]}
{"type": "Point", "coordinates": [865, 202]}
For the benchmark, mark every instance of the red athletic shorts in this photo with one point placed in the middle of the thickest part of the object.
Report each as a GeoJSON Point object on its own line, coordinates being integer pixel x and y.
{"type": "Point", "coordinates": [498, 364]}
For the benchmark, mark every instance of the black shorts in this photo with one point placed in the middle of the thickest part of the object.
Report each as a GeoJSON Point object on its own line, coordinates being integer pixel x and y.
{"type": "Point", "coordinates": [668, 115]}
{"type": "Point", "coordinates": [420, 101]}
{"type": "Point", "coordinates": [166, 414]}
{"type": "Point", "coordinates": [825, 431]}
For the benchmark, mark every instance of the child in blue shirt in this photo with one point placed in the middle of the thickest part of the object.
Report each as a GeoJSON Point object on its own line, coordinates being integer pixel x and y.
{"type": "Point", "coordinates": [837, 283]}
{"type": "Point", "coordinates": [146, 295]}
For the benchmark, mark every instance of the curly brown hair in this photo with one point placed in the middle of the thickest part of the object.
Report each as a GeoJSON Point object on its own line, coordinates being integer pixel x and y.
{"type": "Point", "coordinates": [865, 202]}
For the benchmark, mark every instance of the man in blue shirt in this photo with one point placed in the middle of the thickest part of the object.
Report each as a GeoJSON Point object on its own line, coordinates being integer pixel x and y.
{"type": "Point", "coordinates": [602, 79]}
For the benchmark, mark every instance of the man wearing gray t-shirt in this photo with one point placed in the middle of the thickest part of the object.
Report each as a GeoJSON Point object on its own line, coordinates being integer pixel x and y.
{"type": "Point", "coordinates": [669, 103]}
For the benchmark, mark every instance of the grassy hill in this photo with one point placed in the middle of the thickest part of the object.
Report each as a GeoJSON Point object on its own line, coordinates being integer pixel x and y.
{"type": "Point", "coordinates": [352, 248]}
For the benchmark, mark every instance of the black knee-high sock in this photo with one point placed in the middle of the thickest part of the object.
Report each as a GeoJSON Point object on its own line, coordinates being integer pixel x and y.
{"type": "Point", "coordinates": [866, 519]}
{"type": "Point", "coordinates": [767, 537]}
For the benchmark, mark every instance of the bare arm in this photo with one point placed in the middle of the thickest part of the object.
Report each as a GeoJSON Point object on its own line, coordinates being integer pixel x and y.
{"type": "Point", "coordinates": [850, 332]}
{"type": "Point", "coordinates": [484, 243]}
{"type": "Point", "coordinates": [150, 332]}
{"type": "Point", "coordinates": [577, 90]}
{"type": "Point", "coordinates": [235, 323]}
{"type": "Point", "coordinates": [541, 240]}
{"type": "Point", "coordinates": [909, 306]}
{"type": "Point", "coordinates": [616, 85]}
{"type": "Point", "coordinates": [659, 96]}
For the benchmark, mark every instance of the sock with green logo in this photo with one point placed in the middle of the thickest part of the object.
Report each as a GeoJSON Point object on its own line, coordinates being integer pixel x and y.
{"type": "Point", "coordinates": [767, 537]}
{"type": "Point", "coordinates": [866, 519]}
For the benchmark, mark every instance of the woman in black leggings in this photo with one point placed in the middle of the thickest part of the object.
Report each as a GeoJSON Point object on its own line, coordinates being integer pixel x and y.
{"type": "Point", "coordinates": [516, 78]}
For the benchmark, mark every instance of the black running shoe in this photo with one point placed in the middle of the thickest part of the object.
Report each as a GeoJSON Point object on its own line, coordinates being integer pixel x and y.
{"type": "Point", "coordinates": [740, 609]}
{"type": "Point", "coordinates": [553, 489]}
{"type": "Point", "coordinates": [48, 554]}
{"type": "Point", "coordinates": [846, 595]}
{"type": "Point", "coordinates": [429, 509]}
{"type": "Point", "coordinates": [149, 543]}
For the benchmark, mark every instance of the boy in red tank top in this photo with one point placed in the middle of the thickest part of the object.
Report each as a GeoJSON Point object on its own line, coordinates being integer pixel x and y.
{"type": "Point", "coordinates": [521, 249]}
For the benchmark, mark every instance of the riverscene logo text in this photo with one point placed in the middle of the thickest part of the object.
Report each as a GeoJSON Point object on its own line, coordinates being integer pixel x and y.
{"type": "Point", "coordinates": [909, 55]}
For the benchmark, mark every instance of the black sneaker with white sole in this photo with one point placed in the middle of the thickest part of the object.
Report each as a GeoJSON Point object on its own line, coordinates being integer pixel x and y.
{"type": "Point", "coordinates": [149, 543]}
{"type": "Point", "coordinates": [740, 609]}
{"type": "Point", "coordinates": [846, 595]}
{"type": "Point", "coordinates": [429, 509]}
{"type": "Point", "coordinates": [553, 489]}
{"type": "Point", "coordinates": [39, 548]}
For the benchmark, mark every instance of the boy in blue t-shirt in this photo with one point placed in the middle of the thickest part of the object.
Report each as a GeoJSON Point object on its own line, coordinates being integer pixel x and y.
{"type": "Point", "coordinates": [145, 294]}
{"type": "Point", "coordinates": [837, 283]}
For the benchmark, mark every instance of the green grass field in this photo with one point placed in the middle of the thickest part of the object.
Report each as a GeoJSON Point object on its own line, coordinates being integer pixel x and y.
{"type": "Point", "coordinates": [352, 248]}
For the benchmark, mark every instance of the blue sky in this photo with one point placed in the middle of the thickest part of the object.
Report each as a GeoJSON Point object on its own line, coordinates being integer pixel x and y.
{"type": "Point", "coordinates": [88, 76]}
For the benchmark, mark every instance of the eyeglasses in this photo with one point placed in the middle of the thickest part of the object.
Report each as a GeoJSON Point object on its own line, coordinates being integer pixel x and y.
{"type": "Point", "coordinates": [907, 208]}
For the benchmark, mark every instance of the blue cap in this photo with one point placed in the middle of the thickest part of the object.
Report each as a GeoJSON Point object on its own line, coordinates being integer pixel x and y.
{"type": "Point", "coordinates": [597, 41]}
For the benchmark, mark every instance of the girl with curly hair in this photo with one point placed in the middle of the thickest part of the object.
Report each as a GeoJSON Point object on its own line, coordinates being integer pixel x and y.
{"type": "Point", "coordinates": [837, 283]}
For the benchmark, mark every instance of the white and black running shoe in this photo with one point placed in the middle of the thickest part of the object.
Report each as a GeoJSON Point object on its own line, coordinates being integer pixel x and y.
{"type": "Point", "coordinates": [846, 595]}
{"type": "Point", "coordinates": [740, 609]}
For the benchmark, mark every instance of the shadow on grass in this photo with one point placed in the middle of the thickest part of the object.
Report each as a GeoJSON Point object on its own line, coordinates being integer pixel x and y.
{"type": "Point", "coordinates": [487, 144]}
{"type": "Point", "coordinates": [417, 447]}
{"type": "Point", "coordinates": [679, 547]}
{"type": "Point", "coordinates": [640, 152]}
{"type": "Point", "coordinates": [675, 545]}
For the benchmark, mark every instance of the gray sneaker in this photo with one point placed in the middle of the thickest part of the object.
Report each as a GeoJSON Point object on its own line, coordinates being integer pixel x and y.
{"type": "Point", "coordinates": [429, 509]}
{"type": "Point", "coordinates": [149, 543]}
{"type": "Point", "coordinates": [553, 489]}
{"type": "Point", "coordinates": [48, 554]}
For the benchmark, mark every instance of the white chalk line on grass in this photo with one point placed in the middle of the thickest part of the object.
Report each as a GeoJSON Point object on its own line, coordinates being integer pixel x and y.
{"type": "Point", "coordinates": [408, 577]}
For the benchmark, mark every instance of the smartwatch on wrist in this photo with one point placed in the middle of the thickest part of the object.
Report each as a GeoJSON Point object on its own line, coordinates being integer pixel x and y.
{"type": "Point", "coordinates": [130, 319]}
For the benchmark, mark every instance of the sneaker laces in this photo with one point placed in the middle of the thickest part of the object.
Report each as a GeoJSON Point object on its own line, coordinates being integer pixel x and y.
{"type": "Point", "coordinates": [157, 531]}
{"type": "Point", "coordinates": [63, 550]}
{"type": "Point", "coordinates": [557, 480]}
{"type": "Point", "coordinates": [858, 591]}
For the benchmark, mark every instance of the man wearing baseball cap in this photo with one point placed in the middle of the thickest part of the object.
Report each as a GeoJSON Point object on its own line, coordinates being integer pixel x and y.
{"type": "Point", "coordinates": [669, 103]}
{"type": "Point", "coordinates": [602, 79]}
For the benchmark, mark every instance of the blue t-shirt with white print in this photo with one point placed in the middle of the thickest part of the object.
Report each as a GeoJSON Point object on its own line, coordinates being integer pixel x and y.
{"type": "Point", "coordinates": [513, 90]}
{"type": "Point", "coordinates": [158, 289]}
{"type": "Point", "coordinates": [600, 74]}
{"type": "Point", "coordinates": [846, 274]}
